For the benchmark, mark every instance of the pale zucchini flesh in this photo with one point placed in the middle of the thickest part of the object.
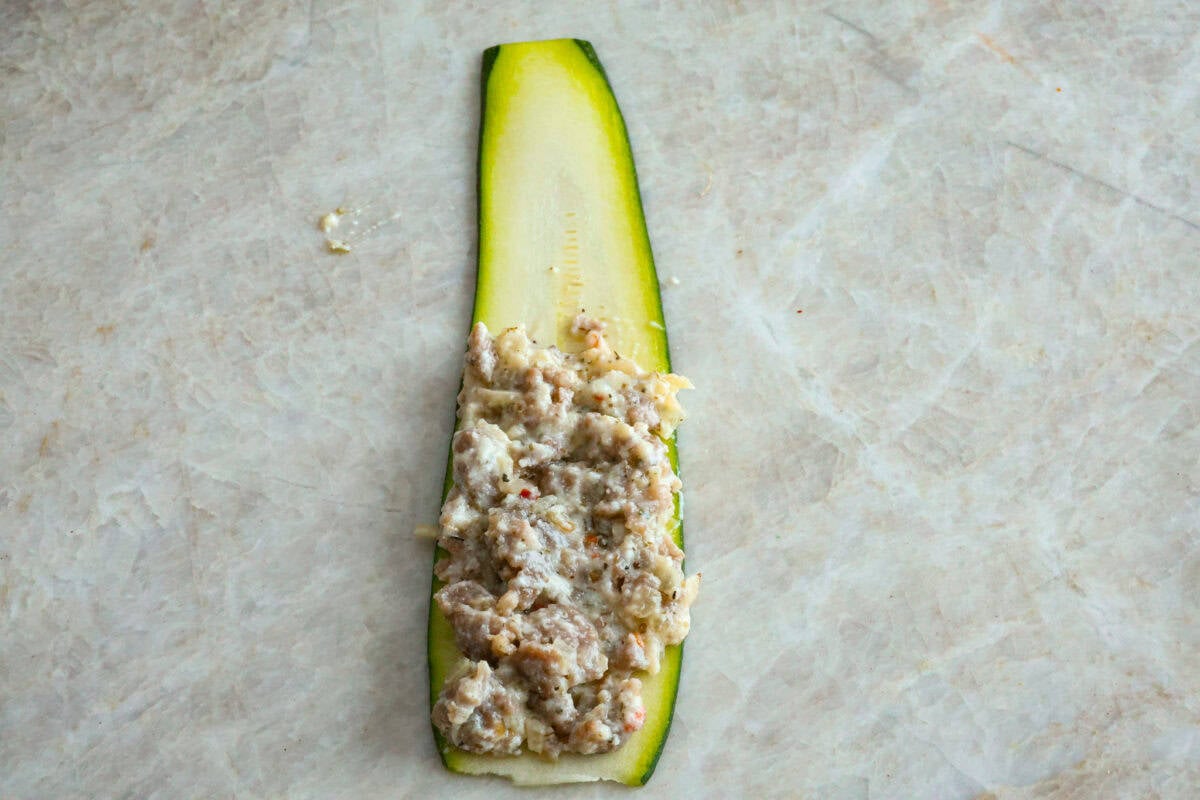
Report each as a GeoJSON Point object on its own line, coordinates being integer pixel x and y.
{"type": "Point", "coordinates": [561, 230]}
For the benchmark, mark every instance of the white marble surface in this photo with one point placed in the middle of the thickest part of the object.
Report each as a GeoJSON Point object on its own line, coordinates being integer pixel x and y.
{"type": "Point", "coordinates": [947, 516]}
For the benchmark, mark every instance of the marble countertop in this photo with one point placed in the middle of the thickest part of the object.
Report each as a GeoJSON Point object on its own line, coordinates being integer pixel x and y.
{"type": "Point", "coordinates": [937, 289]}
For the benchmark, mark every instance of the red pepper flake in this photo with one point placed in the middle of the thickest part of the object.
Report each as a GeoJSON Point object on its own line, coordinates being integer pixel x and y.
{"type": "Point", "coordinates": [527, 494]}
{"type": "Point", "coordinates": [599, 398]}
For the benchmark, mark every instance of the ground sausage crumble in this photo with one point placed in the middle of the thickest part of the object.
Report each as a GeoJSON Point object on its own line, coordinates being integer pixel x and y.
{"type": "Point", "coordinates": [563, 583]}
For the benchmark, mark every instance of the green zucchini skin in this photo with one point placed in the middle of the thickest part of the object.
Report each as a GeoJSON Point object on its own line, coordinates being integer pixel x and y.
{"type": "Point", "coordinates": [553, 146]}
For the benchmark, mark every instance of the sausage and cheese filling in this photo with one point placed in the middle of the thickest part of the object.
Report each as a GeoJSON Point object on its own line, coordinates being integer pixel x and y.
{"type": "Point", "coordinates": [562, 581]}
